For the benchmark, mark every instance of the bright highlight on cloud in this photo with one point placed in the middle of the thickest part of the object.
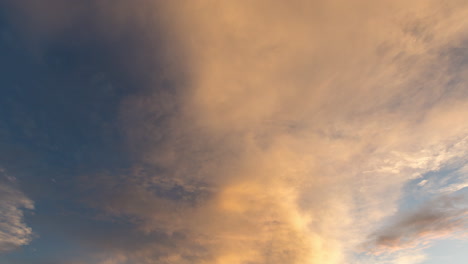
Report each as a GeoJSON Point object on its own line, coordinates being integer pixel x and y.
{"type": "Point", "coordinates": [285, 131]}
{"type": "Point", "coordinates": [298, 127]}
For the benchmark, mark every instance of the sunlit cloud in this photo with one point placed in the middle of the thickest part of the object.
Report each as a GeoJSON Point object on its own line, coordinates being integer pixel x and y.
{"type": "Point", "coordinates": [301, 122]}
{"type": "Point", "coordinates": [437, 219]}
{"type": "Point", "coordinates": [285, 131]}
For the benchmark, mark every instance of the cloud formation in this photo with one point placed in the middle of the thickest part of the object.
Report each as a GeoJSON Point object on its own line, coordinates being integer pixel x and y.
{"type": "Point", "coordinates": [280, 132]}
{"type": "Point", "coordinates": [296, 129]}
{"type": "Point", "coordinates": [14, 233]}
{"type": "Point", "coordinates": [439, 218]}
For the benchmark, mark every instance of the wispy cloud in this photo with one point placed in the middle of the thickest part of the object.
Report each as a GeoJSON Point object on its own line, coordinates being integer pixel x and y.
{"type": "Point", "coordinates": [14, 233]}
{"type": "Point", "coordinates": [444, 217]}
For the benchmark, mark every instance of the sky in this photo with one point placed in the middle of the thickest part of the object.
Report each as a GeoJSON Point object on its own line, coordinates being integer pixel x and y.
{"type": "Point", "coordinates": [233, 132]}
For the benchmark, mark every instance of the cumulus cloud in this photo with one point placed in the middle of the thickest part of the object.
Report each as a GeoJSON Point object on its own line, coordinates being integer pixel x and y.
{"type": "Point", "coordinates": [14, 232]}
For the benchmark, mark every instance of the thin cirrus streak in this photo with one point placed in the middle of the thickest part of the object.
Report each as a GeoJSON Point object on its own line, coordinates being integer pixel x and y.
{"type": "Point", "coordinates": [288, 132]}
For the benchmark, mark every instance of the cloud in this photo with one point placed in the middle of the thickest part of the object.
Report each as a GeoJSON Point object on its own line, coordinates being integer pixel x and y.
{"type": "Point", "coordinates": [14, 232]}
{"type": "Point", "coordinates": [281, 132]}
{"type": "Point", "coordinates": [454, 181]}
{"type": "Point", "coordinates": [295, 128]}
{"type": "Point", "coordinates": [444, 217]}
{"type": "Point", "coordinates": [298, 141]}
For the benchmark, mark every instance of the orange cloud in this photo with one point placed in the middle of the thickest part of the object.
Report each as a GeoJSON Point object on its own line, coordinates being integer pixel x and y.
{"type": "Point", "coordinates": [283, 131]}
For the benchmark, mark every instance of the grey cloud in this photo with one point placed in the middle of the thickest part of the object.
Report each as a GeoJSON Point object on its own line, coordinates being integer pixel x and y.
{"type": "Point", "coordinates": [260, 64]}
{"type": "Point", "coordinates": [446, 216]}
{"type": "Point", "coordinates": [150, 195]}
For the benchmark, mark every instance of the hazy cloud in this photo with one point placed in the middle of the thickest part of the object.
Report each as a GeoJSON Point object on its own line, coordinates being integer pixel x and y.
{"type": "Point", "coordinates": [278, 132]}
{"type": "Point", "coordinates": [300, 121]}
{"type": "Point", "coordinates": [14, 232]}
{"type": "Point", "coordinates": [444, 217]}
